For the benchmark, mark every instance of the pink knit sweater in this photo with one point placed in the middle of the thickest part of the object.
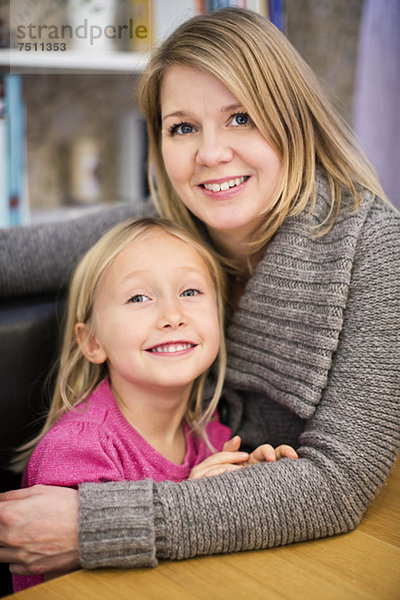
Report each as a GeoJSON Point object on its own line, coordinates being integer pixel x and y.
{"type": "Point", "coordinates": [94, 442]}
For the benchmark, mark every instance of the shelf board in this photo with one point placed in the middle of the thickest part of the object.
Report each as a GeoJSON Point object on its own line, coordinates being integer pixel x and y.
{"type": "Point", "coordinates": [72, 61]}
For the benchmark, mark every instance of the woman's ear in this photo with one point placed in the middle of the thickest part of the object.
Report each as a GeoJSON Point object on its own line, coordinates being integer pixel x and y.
{"type": "Point", "coordinates": [89, 344]}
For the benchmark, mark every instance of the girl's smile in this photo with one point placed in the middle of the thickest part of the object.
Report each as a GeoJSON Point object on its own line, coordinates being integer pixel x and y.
{"type": "Point", "coordinates": [222, 168]}
{"type": "Point", "coordinates": [171, 349]}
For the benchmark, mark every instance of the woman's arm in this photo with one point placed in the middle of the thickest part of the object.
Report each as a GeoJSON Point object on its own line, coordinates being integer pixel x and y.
{"type": "Point", "coordinates": [37, 259]}
{"type": "Point", "coordinates": [346, 450]}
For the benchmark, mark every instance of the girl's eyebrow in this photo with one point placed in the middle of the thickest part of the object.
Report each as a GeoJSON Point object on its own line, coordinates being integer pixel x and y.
{"type": "Point", "coordinates": [190, 269]}
{"type": "Point", "coordinates": [133, 274]}
{"type": "Point", "coordinates": [185, 268]}
{"type": "Point", "coordinates": [183, 113]}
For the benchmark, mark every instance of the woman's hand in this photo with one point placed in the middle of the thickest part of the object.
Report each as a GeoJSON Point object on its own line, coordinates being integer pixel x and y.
{"type": "Point", "coordinates": [39, 529]}
{"type": "Point", "coordinates": [230, 459]}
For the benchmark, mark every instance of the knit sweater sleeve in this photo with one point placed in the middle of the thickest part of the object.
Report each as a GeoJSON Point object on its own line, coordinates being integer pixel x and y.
{"type": "Point", "coordinates": [347, 448]}
{"type": "Point", "coordinates": [39, 259]}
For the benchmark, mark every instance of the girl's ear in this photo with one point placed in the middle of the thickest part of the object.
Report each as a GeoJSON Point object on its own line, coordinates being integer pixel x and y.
{"type": "Point", "coordinates": [89, 344]}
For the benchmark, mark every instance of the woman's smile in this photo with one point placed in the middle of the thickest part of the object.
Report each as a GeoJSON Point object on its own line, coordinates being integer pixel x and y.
{"type": "Point", "coordinates": [220, 188]}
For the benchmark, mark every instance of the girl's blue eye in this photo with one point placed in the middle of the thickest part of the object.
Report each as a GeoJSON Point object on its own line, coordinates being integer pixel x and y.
{"type": "Point", "coordinates": [181, 129]}
{"type": "Point", "coordinates": [241, 119]}
{"type": "Point", "coordinates": [138, 298]}
{"type": "Point", "coordinates": [190, 292]}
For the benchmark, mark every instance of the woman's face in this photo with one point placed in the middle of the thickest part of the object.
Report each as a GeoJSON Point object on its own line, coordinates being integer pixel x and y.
{"type": "Point", "coordinates": [222, 168]}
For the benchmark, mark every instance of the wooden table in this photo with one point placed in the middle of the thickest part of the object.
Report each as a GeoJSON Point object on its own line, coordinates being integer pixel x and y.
{"type": "Point", "coordinates": [363, 564]}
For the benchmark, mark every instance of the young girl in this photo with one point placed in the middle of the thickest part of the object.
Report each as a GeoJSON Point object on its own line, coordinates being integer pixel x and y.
{"type": "Point", "coordinates": [144, 325]}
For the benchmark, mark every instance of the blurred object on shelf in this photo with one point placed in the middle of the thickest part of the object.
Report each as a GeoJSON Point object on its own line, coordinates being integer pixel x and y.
{"type": "Point", "coordinates": [93, 25]}
{"type": "Point", "coordinates": [276, 11]}
{"type": "Point", "coordinates": [166, 16]}
{"type": "Point", "coordinates": [85, 171]}
{"type": "Point", "coordinates": [132, 157]}
{"type": "Point", "coordinates": [139, 19]}
{"type": "Point", "coordinates": [4, 34]}
{"type": "Point", "coordinates": [14, 204]}
{"type": "Point", "coordinates": [36, 22]}
{"type": "Point", "coordinates": [4, 212]}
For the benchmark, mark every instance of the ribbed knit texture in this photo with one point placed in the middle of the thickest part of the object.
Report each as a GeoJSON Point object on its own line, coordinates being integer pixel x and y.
{"type": "Point", "coordinates": [314, 357]}
{"type": "Point", "coordinates": [126, 513]}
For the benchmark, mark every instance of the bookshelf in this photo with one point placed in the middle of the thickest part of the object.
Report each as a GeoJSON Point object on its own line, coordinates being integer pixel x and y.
{"type": "Point", "coordinates": [73, 62]}
{"type": "Point", "coordinates": [84, 142]}
{"type": "Point", "coordinates": [122, 176]}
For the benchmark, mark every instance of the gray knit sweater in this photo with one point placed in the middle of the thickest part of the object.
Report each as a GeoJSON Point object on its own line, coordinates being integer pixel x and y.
{"type": "Point", "coordinates": [313, 361]}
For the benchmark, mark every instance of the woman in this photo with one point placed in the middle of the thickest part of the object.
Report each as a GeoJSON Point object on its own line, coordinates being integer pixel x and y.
{"type": "Point", "coordinates": [246, 151]}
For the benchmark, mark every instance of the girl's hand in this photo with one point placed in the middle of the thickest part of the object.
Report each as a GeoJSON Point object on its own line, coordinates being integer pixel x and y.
{"type": "Point", "coordinates": [230, 459]}
{"type": "Point", "coordinates": [221, 462]}
{"type": "Point", "coordinates": [266, 453]}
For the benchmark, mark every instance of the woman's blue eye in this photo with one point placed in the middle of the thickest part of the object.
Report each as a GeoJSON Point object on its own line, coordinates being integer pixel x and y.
{"type": "Point", "coordinates": [181, 129]}
{"type": "Point", "coordinates": [190, 292]}
{"type": "Point", "coordinates": [241, 119]}
{"type": "Point", "coordinates": [138, 298]}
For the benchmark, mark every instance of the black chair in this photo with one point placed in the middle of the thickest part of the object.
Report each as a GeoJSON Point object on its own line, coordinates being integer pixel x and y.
{"type": "Point", "coordinates": [30, 329]}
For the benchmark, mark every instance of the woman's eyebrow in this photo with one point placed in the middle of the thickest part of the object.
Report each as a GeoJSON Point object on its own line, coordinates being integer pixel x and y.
{"type": "Point", "coordinates": [232, 107]}
{"type": "Point", "coordinates": [223, 109]}
{"type": "Point", "coordinates": [177, 113]}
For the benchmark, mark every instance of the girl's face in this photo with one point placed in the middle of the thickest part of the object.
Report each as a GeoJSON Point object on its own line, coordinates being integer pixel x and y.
{"type": "Point", "coordinates": [219, 164]}
{"type": "Point", "coordinates": [155, 316]}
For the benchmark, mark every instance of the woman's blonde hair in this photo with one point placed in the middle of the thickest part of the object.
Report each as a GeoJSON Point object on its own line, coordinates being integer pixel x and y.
{"type": "Point", "coordinates": [255, 61]}
{"type": "Point", "coordinates": [77, 376]}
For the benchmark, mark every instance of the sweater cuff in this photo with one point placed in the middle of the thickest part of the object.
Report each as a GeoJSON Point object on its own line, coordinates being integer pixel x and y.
{"type": "Point", "coordinates": [116, 525]}
{"type": "Point", "coordinates": [159, 526]}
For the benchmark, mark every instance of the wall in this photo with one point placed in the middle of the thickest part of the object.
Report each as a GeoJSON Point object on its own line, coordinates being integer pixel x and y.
{"type": "Point", "coordinates": [325, 32]}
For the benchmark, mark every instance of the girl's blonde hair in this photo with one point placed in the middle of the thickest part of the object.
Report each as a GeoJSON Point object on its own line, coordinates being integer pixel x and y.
{"type": "Point", "coordinates": [255, 61]}
{"type": "Point", "coordinates": [77, 376]}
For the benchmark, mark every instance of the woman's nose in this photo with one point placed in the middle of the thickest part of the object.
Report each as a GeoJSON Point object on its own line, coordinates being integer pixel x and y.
{"type": "Point", "coordinates": [213, 149]}
{"type": "Point", "coordinates": [171, 315]}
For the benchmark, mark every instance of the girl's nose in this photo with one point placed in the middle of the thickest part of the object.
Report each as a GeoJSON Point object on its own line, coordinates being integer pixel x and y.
{"type": "Point", "coordinates": [213, 149]}
{"type": "Point", "coordinates": [171, 315]}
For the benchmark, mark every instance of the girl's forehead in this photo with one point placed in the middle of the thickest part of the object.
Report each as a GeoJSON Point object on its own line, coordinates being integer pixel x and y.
{"type": "Point", "coordinates": [156, 248]}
